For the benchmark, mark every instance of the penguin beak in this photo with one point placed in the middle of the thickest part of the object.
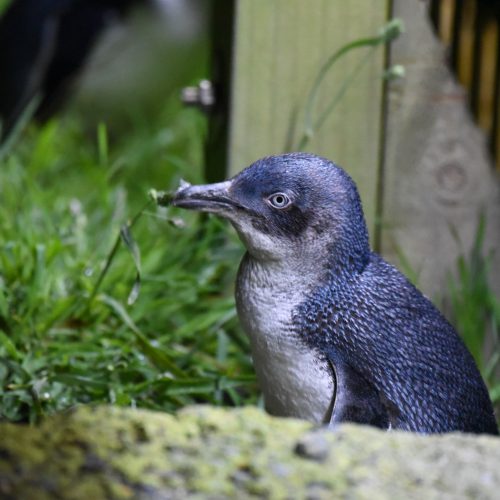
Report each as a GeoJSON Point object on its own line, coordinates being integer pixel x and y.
{"type": "Point", "coordinates": [213, 198]}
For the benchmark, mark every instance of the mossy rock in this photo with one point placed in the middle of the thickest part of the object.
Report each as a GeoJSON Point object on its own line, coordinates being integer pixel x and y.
{"type": "Point", "coordinates": [204, 452]}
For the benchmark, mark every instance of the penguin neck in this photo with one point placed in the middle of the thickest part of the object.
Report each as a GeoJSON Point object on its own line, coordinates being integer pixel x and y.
{"type": "Point", "coordinates": [348, 256]}
{"type": "Point", "coordinates": [295, 276]}
{"type": "Point", "coordinates": [334, 256]}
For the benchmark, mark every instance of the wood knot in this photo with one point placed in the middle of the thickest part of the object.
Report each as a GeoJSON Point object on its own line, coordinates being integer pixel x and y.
{"type": "Point", "coordinates": [451, 182]}
{"type": "Point", "coordinates": [451, 177]}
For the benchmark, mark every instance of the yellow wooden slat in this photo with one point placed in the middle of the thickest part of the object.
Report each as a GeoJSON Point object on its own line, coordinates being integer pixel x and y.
{"type": "Point", "coordinates": [446, 14]}
{"type": "Point", "coordinates": [489, 44]}
{"type": "Point", "coordinates": [466, 45]}
{"type": "Point", "coordinates": [496, 139]}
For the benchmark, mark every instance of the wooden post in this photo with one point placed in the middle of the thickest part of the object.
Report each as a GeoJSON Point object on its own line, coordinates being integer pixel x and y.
{"type": "Point", "coordinates": [222, 25]}
{"type": "Point", "coordinates": [438, 175]}
{"type": "Point", "coordinates": [280, 46]}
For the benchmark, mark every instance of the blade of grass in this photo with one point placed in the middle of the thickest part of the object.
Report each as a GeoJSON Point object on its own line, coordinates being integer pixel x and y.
{"type": "Point", "coordinates": [102, 144]}
{"type": "Point", "coordinates": [155, 355]}
{"type": "Point", "coordinates": [9, 346]}
{"type": "Point", "coordinates": [133, 248]}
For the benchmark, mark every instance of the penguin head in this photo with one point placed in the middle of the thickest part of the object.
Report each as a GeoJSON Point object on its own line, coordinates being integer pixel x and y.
{"type": "Point", "coordinates": [289, 207]}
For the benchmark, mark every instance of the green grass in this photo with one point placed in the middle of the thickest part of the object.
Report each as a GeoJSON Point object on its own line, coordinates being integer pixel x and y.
{"type": "Point", "coordinates": [3, 5]}
{"type": "Point", "coordinates": [64, 195]}
{"type": "Point", "coordinates": [475, 310]}
{"type": "Point", "coordinates": [69, 337]}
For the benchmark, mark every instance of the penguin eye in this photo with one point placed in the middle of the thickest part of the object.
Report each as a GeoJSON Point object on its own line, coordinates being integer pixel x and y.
{"type": "Point", "coordinates": [279, 201]}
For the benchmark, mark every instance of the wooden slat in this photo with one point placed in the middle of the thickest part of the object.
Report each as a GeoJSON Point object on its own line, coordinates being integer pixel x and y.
{"type": "Point", "coordinates": [474, 49]}
{"type": "Point", "coordinates": [486, 77]}
{"type": "Point", "coordinates": [221, 37]}
{"type": "Point", "coordinates": [446, 13]}
{"type": "Point", "coordinates": [495, 108]}
{"type": "Point", "coordinates": [466, 42]}
{"type": "Point", "coordinates": [280, 46]}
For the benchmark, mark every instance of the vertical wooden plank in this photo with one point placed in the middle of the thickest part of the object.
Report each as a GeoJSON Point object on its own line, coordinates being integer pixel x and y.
{"type": "Point", "coordinates": [486, 76]}
{"type": "Point", "coordinates": [495, 139]}
{"type": "Point", "coordinates": [438, 174]}
{"type": "Point", "coordinates": [465, 47]}
{"type": "Point", "coordinates": [222, 24]}
{"type": "Point", "coordinates": [279, 47]}
{"type": "Point", "coordinates": [447, 14]}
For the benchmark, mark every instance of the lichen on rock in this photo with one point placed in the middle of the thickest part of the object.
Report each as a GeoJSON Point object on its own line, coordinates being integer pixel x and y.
{"type": "Point", "coordinates": [204, 452]}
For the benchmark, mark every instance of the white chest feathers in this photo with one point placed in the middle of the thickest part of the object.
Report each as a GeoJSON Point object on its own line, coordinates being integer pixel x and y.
{"type": "Point", "coordinates": [295, 381]}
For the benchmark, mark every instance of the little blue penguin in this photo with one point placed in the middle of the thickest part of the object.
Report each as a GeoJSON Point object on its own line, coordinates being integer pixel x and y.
{"type": "Point", "coordinates": [337, 334]}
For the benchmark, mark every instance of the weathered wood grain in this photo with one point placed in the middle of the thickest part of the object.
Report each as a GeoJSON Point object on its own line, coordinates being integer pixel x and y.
{"type": "Point", "coordinates": [438, 175]}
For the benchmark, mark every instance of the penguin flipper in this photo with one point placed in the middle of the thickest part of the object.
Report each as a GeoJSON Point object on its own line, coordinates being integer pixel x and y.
{"type": "Point", "coordinates": [355, 399]}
